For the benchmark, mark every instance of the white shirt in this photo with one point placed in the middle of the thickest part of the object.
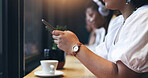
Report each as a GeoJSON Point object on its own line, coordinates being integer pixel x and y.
{"type": "Point", "coordinates": [100, 35]}
{"type": "Point", "coordinates": [131, 46]}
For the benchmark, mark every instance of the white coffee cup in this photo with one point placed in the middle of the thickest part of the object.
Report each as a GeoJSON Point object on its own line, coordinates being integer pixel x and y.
{"type": "Point", "coordinates": [49, 66]}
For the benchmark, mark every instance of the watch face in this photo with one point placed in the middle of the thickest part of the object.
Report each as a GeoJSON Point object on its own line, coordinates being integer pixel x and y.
{"type": "Point", "coordinates": [75, 48]}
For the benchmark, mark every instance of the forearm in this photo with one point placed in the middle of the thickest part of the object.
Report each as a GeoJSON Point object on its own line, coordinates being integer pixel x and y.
{"type": "Point", "coordinates": [97, 65]}
{"type": "Point", "coordinates": [103, 68]}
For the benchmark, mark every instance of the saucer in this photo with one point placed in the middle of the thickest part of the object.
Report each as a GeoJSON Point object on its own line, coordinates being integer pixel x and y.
{"type": "Point", "coordinates": [41, 74]}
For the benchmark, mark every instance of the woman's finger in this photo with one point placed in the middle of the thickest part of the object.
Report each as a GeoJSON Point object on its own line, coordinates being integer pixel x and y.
{"type": "Point", "coordinates": [57, 32]}
{"type": "Point", "coordinates": [55, 37]}
{"type": "Point", "coordinates": [56, 41]}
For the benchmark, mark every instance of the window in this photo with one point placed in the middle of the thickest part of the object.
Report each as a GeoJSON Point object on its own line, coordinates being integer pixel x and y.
{"type": "Point", "coordinates": [33, 33]}
{"type": "Point", "coordinates": [33, 27]}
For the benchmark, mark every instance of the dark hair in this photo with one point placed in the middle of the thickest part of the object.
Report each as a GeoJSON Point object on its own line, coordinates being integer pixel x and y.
{"type": "Point", "coordinates": [139, 3]}
{"type": "Point", "coordinates": [92, 5]}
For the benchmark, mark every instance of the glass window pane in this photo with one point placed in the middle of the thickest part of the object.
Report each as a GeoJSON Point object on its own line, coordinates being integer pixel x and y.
{"type": "Point", "coordinates": [33, 29]}
{"type": "Point", "coordinates": [0, 38]}
{"type": "Point", "coordinates": [33, 32]}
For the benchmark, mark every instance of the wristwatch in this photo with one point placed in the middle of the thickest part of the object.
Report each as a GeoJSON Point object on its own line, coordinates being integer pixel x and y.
{"type": "Point", "coordinates": [76, 48]}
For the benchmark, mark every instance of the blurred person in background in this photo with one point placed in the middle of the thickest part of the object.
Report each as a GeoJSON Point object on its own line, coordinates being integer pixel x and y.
{"type": "Point", "coordinates": [97, 20]}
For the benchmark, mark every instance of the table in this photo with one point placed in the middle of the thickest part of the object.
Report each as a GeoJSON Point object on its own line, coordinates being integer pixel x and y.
{"type": "Point", "coordinates": [72, 69]}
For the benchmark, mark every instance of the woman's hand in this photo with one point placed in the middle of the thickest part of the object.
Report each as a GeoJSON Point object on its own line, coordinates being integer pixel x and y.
{"type": "Point", "coordinates": [65, 40]}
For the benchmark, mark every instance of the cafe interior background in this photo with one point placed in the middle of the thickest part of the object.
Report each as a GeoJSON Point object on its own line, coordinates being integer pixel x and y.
{"type": "Point", "coordinates": [23, 36]}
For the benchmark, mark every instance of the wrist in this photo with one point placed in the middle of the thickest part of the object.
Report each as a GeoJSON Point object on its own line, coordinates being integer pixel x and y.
{"type": "Point", "coordinates": [76, 48]}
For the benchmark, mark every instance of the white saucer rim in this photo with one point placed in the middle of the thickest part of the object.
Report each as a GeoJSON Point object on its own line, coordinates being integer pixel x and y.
{"type": "Point", "coordinates": [48, 75]}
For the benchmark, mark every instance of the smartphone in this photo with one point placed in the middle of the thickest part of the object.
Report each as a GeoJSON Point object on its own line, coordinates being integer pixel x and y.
{"type": "Point", "coordinates": [48, 26]}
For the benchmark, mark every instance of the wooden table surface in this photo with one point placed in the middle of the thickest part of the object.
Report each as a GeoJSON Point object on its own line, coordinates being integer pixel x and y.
{"type": "Point", "coordinates": [72, 69]}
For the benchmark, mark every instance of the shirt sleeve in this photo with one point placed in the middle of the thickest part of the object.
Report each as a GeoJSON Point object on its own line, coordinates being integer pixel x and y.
{"type": "Point", "coordinates": [101, 50]}
{"type": "Point", "coordinates": [132, 46]}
